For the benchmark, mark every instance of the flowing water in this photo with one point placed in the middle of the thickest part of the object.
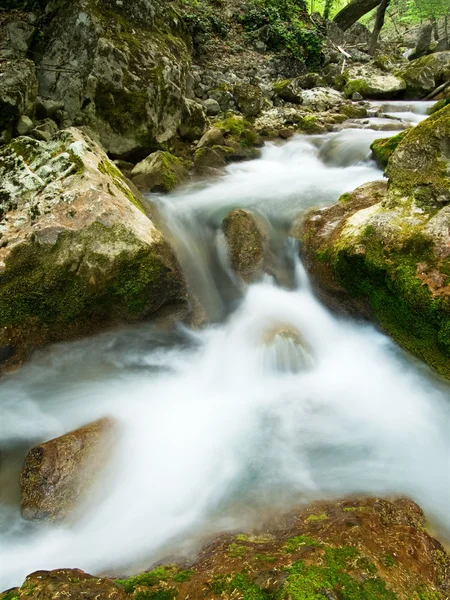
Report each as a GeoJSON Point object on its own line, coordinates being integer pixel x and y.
{"type": "Point", "coordinates": [218, 428]}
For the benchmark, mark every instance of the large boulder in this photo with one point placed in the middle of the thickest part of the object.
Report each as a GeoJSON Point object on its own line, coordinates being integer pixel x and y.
{"type": "Point", "coordinates": [118, 67]}
{"type": "Point", "coordinates": [249, 98]}
{"type": "Point", "coordinates": [353, 549]}
{"type": "Point", "coordinates": [424, 75]}
{"type": "Point", "coordinates": [321, 99]}
{"type": "Point", "coordinates": [372, 83]}
{"type": "Point", "coordinates": [78, 250]}
{"type": "Point", "coordinates": [247, 244]}
{"type": "Point", "coordinates": [57, 475]}
{"type": "Point", "coordinates": [387, 247]}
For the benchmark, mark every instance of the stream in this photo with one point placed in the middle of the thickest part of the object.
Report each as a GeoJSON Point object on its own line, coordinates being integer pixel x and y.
{"type": "Point", "coordinates": [218, 430]}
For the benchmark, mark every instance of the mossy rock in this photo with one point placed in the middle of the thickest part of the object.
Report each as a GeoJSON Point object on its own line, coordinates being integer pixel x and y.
{"type": "Point", "coordinates": [355, 549]}
{"type": "Point", "coordinates": [372, 83]}
{"type": "Point", "coordinates": [159, 172]}
{"type": "Point", "coordinates": [353, 111]}
{"type": "Point", "coordinates": [383, 148]}
{"type": "Point", "coordinates": [425, 74]}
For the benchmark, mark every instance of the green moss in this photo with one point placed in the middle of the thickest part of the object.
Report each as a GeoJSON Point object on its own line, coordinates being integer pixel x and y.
{"type": "Point", "coordinates": [240, 129]}
{"type": "Point", "coordinates": [170, 165]}
{"type": "Point", "coordinates": [148, 579]}
{"type": "Point", "coordinates": [352, 111]}
{"type": "Point", "coordinates": [266, 558]}
{"type": "Point", "coordinates": [383, 148]}
{"type": "Point", "coordinates": [346, 197]}
{"type": "Point", "coordinates": [439, 105]}
{"type": "Point", "coordinates": [236, 550]}
{"type": "Point", "coordinates": [11, 595]}
{"type": "Point", "coordinates": [120, 106]}
{"type": "Point", "coordinates": [309, 124]}
{"type": "Point", "coordinates": [78, 163]}
{"type": "Point", "coordinates": [182, 576]}
{"type": "Point", "coordinates": [278, 86]}
{"type": "Point", "coordinates": [293, 544]}
{"type": "Point", "coordinates": [321, 517]}
{"type": "Point", "coordinates": [388, 560]}
{"type": "Point", "coordinates": [108, 168]}
{"type": "Point", "coordinates": [356, 86]}
{"type": "Point", "coordinates": [28, 148]}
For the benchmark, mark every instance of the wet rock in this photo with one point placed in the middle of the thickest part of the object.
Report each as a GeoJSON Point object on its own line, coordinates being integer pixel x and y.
{"type": "Point", "coordinates": [57, 475]}
{"type": "Point", "coordinates": [18, 91]}
{"type": "Point", "coordinates": [207, 161]}
{"type": "Point", "coordinates": [78, 249]}
{"type": "Point", "coordinates": [159, 172]}
{"type": "Point", "coordinates": [321, 99]}
{"type": "Point", "coordinates": [247, 244]}
{"type": "Point", "coordinates": [382, 149]}
{"type": "Point", "coordinates": [286, 351]}
{"type": "Point", "coordinates": [388, 248]}
{"type": "Point", "coordinates": [68, 583]}
{"type": "Point", "coordinates": [357, 96]}
{"type": "Point", "coordinates": [193, 121]}
{"type": "Point", "coordinates": [353, 111]}
{"type": "Point", "coordinates": [364, 546]}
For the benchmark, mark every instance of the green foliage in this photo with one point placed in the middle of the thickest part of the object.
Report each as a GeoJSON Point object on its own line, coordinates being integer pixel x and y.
{"type": "Point", "coordinates": [202, 20]}
{"type": "Point", "coordinates": [293, 544]}
{"type": "Point", "coordinates": [149, 579]}
{"type": "Point", "coordinates": [288, 28]}
{"type": "Point", "coordinates": [321, 517]}
{"type": "Point", "coordinates": [236, 550]}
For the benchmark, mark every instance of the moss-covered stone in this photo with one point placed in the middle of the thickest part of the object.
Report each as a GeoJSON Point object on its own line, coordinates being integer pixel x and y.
{"type": "Point", "coordinates": [353, 111]}
{"type": "Point", "coordinates": [160, 172]}
{"type": "Point", "coordinates": [383, 148]}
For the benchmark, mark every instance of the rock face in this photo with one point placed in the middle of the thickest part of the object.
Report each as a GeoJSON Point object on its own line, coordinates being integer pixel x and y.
{"type": "Point", "coordinates": [389, 245]}
{"type": "Point", "coordinates": [78, 250]}
{"type": "Point", "coordinates": [355, 549]}
{"type": "Point", "coordinates": [118, 67]}
{"type": "Point", "coordinates": [18, 90]}
{"type": "Point", "coordinates": [424, 75]}
{"type": "Point", "coordinates": [159, 172]}
{"type": "Point", "coordinates": [247, 244]}
{"type": "Point", "coordinates": [58, 474]}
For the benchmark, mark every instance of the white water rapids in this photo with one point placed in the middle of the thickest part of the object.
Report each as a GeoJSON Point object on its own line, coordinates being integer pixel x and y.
{"type": "Point", "coordinates": [213, 435]}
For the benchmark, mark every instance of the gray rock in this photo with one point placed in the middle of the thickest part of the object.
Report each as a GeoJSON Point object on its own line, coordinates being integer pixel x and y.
{"type": "Point", "coordinates": [213, 137]}
{"type": "Point", "coordinates": [18, 90]}
{"type": "Point", "coordinates": [45, 130]}
{"type": "Point", "coordinates": [24, 125]}
{"type": "Point", "coordinates": [193, 120]}
{"type": "Point", "coordinates": [159, 172]}
{"type": "Point", "coordinates": [47, 108]}
{"type": "Point", "coordinates": [356, 96]}
{"type": "Point", "coordinates": [212, 107]}
{"type": "Point", "coordinates": [249, 99]}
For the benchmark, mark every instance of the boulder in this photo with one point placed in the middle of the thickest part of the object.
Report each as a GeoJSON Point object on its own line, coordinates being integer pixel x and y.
{"type": "Point", "coordinates": [353, 111]}
{"type": "Point", "coordinates": [213, 137]}
{"type": "Point", "coordinates": [78, 249]}
{"type": "Point", "coordinates": [249, 99]}
{"type": "Point", "coordinates": [58, 475]}
{"type": "Point", "coordinates": [16, 34]}
{"type": "Point", "coordinates": [208, 161]}
{"type": "Point", "coordinates": [212, 107]}
{"type": "Point", "coordinates": [423, 42]}
{"type": "Point", "coordinates": [372, 83]}
{"type": "Point", "coordinates": [355, 548]}
{"type": "Point", "coordinates": [193, 121]}
{"type": "Point", "coordinates": [387, 247]}
{"type": "Point", "coordinates": [159, 172]}
{"type": "Point", "coordinates": [424, 75]}
{"type": "Point", "coordinates": [18, 91]}
{"type": "Point", "coordinates": [247, 244]}
{"type": "Point", "coordinates": [289, 90]}
{"type": "Point", "coordinates": [321, 99]}
{"type": "Point", "coordinates": [383, 148]}
{"type": "Point", "coordinates": [24, 125]}
{"type": "Point", "coordinates": [120, 68]}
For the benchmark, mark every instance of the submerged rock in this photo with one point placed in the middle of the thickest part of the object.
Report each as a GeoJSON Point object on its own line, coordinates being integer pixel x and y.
{"type": "Point", "coordinates": [57, 475]}
{"type": "Point", "coordinates": [285, 350]}
{"type": "Point", "coordinates": [247, 244]}
{"type": "Point", "coordinates": [159, 172]}
{"type": "Point", "coordinates": [361, 549]}
{"type": "Point", "coordinates": [78, 250]}
{"type": "Point", "coordinates": [388, 246]}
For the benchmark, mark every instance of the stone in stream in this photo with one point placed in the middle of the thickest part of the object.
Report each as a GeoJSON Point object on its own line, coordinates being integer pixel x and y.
{"type": "Point", "coordinates": [78, 249]}
{"type": "Point", "coordinates": [285, 350]}
{"type": "Point", "coordinates": [386, 248]}
{"type": "Point", "coordinates": [247, 244]}
{"type": "Point", "coordinates": [354, 548]}
{"type": "Point", "coordinates": [57, 475]}
{"type": "Point", "coordinates": [159, 172]}
{"type": "Point", "coordinates": [372, 83]}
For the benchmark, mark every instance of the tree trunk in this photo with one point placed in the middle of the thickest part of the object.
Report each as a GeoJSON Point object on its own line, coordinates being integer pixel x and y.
{"type": "Point", "coordinates": [354, 11]}
{"type": "Point", "coordinates": [379, 22]}
{"type": "Point", "coordinates": [328, 5]}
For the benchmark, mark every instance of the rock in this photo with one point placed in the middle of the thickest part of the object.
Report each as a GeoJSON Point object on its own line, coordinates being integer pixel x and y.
{"type": "Point", "coordinates": [68, 583]}
{"type": "Point", "coordinates": [289, 90]}
{"type": "Point", "coordinates": [45, 130]}
{"type": "Point", "coordinates": [207, 160]}
{"type": "Point", "coordinates": [16, 35]}
{"type": "Point", "coordinates": [361, 548]}
{"type": "Point", "coordinates": [78, 249]}
{"type": "Point", "coordinates": [247, 244]}
{"type": "Point", "coordinates": [47, 108]}
{"type": "Point", "coordinates": [357, 96]}
{"type": "Point", "coordinates": [159, 172]}
{"type": "Point", "coordinates": [193, 121]}
{"type": "Point", "coordinates": [24, 125]}
{"type": "Point", "coordinates": [372, 83]}
{"type": "Point", "coordinates": [249, 99]}
{"type": "Point", "coordinates": [120, 68]}
{"type": "Point", "coordinates": [285, 134]}
{"type": "Point", "coordinates": [212, 107]}
{"type": "Point", "coordinates": [382, 149]}
{"type": "Point", "coordinates": [213, 137]}
{"type": "Point", "coordinates": [423, 42]}
{"type": "Point", "coordinates": [57, 475]}
{"type": "Point", "coordinates": [424, 75]}
{"type": "Point", "coordinates": [18, 90]}
{"type": "Point", "coordinates": [311, 125]}
{"type": "Point", "coordinates": [285, 350]}
{"type": "Point", "coordinates": [353, 111]}
{"type": "Point", "coordinates": [388, 247]}
{"type": "Point", "coordinates": [321, 99]}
